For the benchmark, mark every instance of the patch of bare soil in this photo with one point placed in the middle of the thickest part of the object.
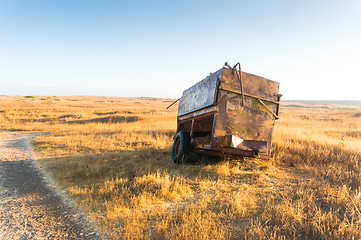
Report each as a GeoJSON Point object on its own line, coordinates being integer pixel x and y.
{"type": "Point", "coordinates": [29, 207]}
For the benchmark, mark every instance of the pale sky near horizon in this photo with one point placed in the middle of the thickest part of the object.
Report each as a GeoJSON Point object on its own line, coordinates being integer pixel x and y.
{"type": "Point", "coordinates": [160, 48]}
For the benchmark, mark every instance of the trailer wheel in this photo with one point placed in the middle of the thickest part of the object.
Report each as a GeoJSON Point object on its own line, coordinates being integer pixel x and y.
{"type": "Point", "coordinates": [181, 147]}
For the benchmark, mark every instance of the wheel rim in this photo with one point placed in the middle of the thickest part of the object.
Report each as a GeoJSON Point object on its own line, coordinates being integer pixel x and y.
{"type": "Point", "coordinates": [177, 146]}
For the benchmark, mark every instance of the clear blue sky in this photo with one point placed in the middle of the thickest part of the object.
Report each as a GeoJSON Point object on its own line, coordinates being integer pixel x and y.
{"type": "Point", "coordinates": [160, 48]}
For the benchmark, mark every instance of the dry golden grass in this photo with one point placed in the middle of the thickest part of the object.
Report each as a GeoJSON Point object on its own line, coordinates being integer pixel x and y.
{"type": "Point", "coordinates": [113, 156]}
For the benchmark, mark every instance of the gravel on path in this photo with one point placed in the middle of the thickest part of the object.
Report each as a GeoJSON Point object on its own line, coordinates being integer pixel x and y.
{"type": "Point", "coordinates": [29, 207]}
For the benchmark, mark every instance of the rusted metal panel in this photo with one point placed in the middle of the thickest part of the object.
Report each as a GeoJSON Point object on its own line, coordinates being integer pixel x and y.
{"type": "Point", "coordinates": [200, 95]}
{"type": "Point", "coordinates": [249, 122]}
{"type": "Point", "coordinates": [252, 85]}
{"type": "Point", "coordinates": [248, 145]}
{"type": "Point", "coordinates": [198, 113]}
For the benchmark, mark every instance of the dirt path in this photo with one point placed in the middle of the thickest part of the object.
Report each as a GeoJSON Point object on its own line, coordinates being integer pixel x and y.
{"type": "Point", "coordinates": [29, 208]}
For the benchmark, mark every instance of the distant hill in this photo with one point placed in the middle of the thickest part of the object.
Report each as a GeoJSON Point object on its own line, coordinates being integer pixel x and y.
{"type": "Point", "coordinates": [328, 102]}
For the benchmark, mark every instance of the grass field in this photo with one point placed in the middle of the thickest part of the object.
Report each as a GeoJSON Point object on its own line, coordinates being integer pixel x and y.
{"type": "Point", "coordinates": [112, 155]}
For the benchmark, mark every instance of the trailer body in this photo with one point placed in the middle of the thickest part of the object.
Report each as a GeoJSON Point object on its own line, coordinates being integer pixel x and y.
{"type": "Point", "coordinates": [230, 112]}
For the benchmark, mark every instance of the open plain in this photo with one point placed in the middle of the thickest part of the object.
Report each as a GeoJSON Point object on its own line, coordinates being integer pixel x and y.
{"type": "Point", "coordinates": [112, 156]}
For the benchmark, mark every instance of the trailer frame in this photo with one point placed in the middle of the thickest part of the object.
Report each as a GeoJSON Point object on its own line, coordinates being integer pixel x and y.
{"type": "Point", "coordinates": [230, 112]}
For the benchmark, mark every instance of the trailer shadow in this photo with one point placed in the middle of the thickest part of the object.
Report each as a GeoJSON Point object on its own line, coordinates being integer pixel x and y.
{"type": "Point", "coordinates": [197, 159]}
{"type": "Point", "coordinates": [88, 169]}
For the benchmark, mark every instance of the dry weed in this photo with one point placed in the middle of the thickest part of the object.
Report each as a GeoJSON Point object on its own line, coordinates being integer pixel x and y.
{"type": "Point", "coordinates": [112, 156]}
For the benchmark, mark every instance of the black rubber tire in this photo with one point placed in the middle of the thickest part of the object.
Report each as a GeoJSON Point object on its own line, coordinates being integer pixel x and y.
{"type": "Point", "coordinates": [181, 147]}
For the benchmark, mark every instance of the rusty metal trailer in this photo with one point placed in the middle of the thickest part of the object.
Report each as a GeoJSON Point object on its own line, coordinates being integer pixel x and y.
{"type": "Point", "coordinates": [230, 112]}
